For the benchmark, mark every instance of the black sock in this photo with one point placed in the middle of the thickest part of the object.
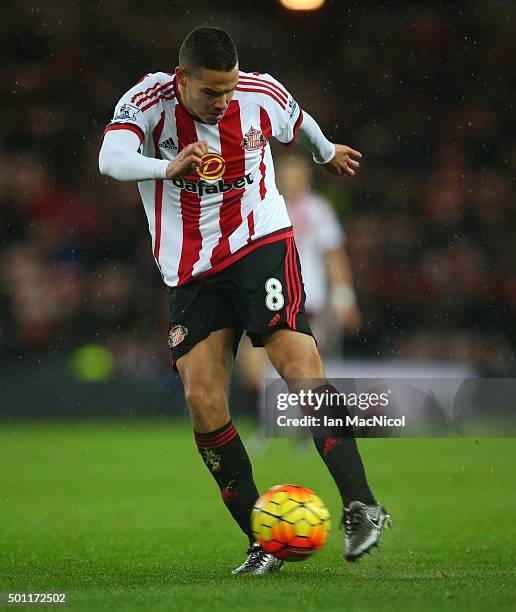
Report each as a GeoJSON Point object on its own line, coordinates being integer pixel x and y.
{"type": "Point", "coordinates": [341, 456]}
{"type": "Point", "coordinates": [226, 458]}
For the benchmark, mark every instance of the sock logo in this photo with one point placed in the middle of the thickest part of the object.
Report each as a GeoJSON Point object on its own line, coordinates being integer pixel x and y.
{"type": "Point", "coordinates": [211, 459]}
{"type": "Point", "coordinates": [227, 493]}
{"type": "Point", "coordinates": [329, 443]}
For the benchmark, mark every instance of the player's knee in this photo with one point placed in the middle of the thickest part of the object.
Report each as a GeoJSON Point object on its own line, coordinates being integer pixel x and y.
{"type": "Point", "coordinates": [301, 371]}
{"type": "Point", "coordinates": [205, 398]}
{"type": "Point", "coordinates": [302, 366]}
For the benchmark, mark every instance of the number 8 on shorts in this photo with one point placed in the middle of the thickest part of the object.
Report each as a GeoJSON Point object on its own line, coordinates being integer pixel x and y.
{"type": "Point", "coordinates": [274, 299]}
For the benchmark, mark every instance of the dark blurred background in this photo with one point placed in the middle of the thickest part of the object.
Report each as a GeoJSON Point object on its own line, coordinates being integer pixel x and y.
{"type": "Point", "coordinates": [425, 90]}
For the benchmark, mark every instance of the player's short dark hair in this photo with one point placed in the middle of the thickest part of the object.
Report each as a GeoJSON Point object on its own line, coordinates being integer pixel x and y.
{"type": "Point", "coordinates": [210, 48]}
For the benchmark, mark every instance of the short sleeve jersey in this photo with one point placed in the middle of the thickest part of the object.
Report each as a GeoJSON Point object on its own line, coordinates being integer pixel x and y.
{"type": "Point", "coordinates": [202, 223]}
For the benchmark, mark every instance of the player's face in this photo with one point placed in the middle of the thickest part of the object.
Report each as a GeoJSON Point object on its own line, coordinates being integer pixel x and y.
{"type": "Point", "coordinates": [207, 93]}
{"type": "Point", "coordinates": [293, 175]}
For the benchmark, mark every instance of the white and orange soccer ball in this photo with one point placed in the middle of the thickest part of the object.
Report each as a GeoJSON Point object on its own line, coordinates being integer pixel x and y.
{"type": "Point", "coordinates": [290, 522]}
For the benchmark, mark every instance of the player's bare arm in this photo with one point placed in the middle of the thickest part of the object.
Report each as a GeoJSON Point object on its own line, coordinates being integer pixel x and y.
{"type": "Point", "coordinates": [345, 161]}
{"type": "Point", "coordinates": [187, 160]}
{"type": "Point", "coordinates": [342, 293]}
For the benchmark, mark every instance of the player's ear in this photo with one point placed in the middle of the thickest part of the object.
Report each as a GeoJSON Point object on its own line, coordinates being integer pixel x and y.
{"type": "Point", "coordinates": [181, 75]}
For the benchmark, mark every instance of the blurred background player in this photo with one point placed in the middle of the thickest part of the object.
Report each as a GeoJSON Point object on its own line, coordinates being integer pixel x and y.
{"type": "Point", "coordinates": [330, 296]}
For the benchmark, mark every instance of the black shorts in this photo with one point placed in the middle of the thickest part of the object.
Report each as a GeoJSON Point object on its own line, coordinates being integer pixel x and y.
{"type": "Point", "coordinates": [260, 293]}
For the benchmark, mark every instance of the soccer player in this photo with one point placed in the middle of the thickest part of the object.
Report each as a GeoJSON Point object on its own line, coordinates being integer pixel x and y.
{"type": "Point", "coordinates": [197, 142]}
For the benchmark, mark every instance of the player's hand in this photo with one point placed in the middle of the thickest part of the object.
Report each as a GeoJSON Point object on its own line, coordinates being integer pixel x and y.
{"type": "Point", "coordinates": [345, 161]}
{"type": "Point", "coordinates": [188, 160]}
{"type": "Point", "coordinates": [350, 319]}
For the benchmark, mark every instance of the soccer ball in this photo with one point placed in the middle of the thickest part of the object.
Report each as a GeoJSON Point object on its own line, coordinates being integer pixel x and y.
{"type": "Point", "coordinates": [290, 522]}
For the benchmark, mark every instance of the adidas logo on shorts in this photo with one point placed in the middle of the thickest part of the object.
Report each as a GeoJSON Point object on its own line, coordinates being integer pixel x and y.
{"type": "Point", "coordinates": [274, 321]}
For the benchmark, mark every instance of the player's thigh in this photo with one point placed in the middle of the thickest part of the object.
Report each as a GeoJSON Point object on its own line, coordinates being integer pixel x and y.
{"type": "Point", "coordinates": [203, 337]}
{"type": "Point", "coordinates": [250, 364]}
{"type": "Point", "coordinates": [206, 371]}
{"type": "Point", "coordinates": [295, 357]}
{"type": "Point", "coordinates": [196, 310]}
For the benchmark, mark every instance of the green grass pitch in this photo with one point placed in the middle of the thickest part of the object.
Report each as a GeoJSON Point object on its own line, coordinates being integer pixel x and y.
{"type": "Point", "coordinates": [124, 516]}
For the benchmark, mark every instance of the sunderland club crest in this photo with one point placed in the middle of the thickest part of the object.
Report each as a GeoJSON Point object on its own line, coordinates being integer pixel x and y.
{"type": "Point", "coordinates": [253, 140]}
{"type": "Point", "coordinates": [176, 335]}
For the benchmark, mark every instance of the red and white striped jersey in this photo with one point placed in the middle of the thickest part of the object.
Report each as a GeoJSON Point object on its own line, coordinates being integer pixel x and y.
{"type": "Point", "coordinates": [201, 224]}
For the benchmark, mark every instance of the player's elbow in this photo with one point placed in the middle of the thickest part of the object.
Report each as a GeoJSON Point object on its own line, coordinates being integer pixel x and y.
{"type": "Point", "coordinates": [105, 162]}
